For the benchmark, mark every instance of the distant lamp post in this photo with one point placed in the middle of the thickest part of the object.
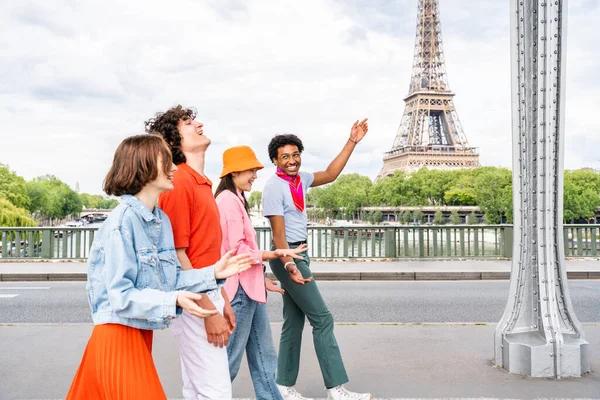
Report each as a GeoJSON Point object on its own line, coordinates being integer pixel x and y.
{"type": "Point", "coordinates": [539, 334]}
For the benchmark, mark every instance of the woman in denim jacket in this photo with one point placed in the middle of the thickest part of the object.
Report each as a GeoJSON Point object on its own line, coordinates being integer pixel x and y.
{"type": "Point", "coordinates": [135, 283]}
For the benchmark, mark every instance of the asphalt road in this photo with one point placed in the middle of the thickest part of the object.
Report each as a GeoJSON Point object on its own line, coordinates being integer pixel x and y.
{"type": "Point", "coordinates": [455, 301]}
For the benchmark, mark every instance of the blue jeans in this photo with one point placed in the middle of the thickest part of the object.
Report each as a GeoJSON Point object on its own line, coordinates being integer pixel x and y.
{"type": "Point", "coordinates": [253, 334]}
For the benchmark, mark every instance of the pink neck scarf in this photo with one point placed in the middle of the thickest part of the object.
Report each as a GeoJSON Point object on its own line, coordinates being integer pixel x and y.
{"type": "Point", "coordinates": [295, 187]}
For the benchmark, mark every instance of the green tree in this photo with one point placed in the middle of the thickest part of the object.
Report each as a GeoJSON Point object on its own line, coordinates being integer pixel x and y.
{"type": "Point", "coordinates": [462, 193]}
{"type": "Point", "coordinates": [460, 197]}
{"type": "Point", "coordinates": [69, 202]}
{"type": "Point", "coordinates": [454, 218]}
{"type": "Point", "coordinates": [438, 217]}
{"type": "Point", "coordinates": [432, 185]}
{"type": "Point", "coordinates": [313, 213]}
{"type": "Point", "coordinates": [472, 218]}
{"type": "Point", "coordinates": [13, 216]}
{"type": "Point", "coordinates": [324, 197]}
{"type": "Point", "coordinates": [12, 187]}
{"type": "Point", "coordinates": [581, 195]}
{"type": "Point", "coordinates": [90, 200]}
{"type": "Point", "coordinates": [38, 195]}
{"type": "Point", "coordinates": [377, 217]}
{"type": "Point", "coordinates": [415, 191]}
{"type": "Point", "coordinates": [255, 199]}
{"type": "Point", "coordinates": [490, 188]}
{"type": "Point", "coordinates": [53, 198]}
{"type": "Point", "coordinates": [349, 193]}
{"type": "Point", "coordinates": [311, 197]}
{"type": "Point", "coordinates": [417, 216]}
{"type": "Point", "coordinates": [108, 204]}
{"type": "Point", "coordinates": [97, 201]}
{"type": "Point", "coordinates": [405, 217]}
{"type": "Point", "coordinates": [493, 188]}
{"type": "Point", "coordinates": [389, 191]}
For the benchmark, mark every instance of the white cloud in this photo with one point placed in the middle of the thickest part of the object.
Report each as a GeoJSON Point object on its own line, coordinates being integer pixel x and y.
{"type": "Point", "coordinates": [78, 77]}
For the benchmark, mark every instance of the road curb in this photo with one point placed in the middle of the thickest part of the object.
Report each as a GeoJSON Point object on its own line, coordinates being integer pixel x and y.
{"type": "Point", "coordinates": [431, 276]}
{"type": "Point", "coordinates": [330, 276]}
{"type": "Point", "coordinates": [57, 276]}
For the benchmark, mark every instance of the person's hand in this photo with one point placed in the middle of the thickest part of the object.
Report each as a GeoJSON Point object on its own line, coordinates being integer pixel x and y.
{"type": "Point", "coordinates": [294, 253]}
{"type": "Point", "coordinates": [187, 301]}
{"type": "Point", "coordinates": [229, 316]}
{"type": "Point", "coordinates": [296, 275]}
{"type": "Point", "coordinates": [230, 265]}
{"type": "Point", "coordinates": [217, 330]}
{"type": "Point", "coordinates": [359, 130]}
{"type": "Point", "coordinates": [271, 286]}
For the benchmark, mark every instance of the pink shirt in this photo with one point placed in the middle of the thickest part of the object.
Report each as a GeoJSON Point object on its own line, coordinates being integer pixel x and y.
{"type": "Point", "coordinates": [239, 234]}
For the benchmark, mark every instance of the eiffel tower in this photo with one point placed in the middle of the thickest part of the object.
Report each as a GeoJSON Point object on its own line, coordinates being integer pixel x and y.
{"type": "Point", "coordinates": [430, 133]}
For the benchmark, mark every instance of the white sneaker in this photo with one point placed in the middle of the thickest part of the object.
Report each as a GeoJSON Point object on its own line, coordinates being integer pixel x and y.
{"type": "Point", "coordinates": [289, 393]}
{"type": "Point", "coordinates": [341, 393]}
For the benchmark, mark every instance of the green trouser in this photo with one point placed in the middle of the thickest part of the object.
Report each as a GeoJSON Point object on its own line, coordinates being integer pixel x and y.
{"type": "Point", "coordinates": [300, 301]}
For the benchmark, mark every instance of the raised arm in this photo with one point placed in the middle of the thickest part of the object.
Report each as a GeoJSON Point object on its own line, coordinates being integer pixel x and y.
{"type": "Point", "coordinates": [357, 132]}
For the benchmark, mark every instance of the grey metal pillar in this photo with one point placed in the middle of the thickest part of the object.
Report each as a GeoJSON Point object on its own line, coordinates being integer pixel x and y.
{"type": "Point", "coordinates": [539, 334]}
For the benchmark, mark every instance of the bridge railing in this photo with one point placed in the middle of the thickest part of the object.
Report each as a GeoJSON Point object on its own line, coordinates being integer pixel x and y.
{"type": "Point", "coordinates": [332, 242]}
{"type": "Point", "coordinates": [405, 241]}
{"type": "Point", "coordinates": [581, 240]}
{"type": "Point", "coordinates": [46, 243]}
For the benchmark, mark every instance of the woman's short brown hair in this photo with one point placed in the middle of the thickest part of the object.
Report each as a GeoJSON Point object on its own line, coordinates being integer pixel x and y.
{"type": "Point", "coordinates": [136, 164]}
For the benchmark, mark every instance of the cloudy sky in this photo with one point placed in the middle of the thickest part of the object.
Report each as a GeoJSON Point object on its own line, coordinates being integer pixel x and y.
{"type": "Point", "coordinates": [76, 77]}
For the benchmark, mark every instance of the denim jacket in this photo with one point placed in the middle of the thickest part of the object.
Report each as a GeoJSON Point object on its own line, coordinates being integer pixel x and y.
{"type": "Point", "coordinates": [133, 272]}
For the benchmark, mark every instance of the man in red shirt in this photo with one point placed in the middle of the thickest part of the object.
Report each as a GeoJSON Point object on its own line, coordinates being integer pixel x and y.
{"type": "Point", "coordinates": [194, 215]}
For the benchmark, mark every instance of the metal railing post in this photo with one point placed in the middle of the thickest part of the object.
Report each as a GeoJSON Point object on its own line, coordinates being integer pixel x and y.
{"type": "Point", "coordinates": [389, 238]}
{"type": "Point", "coordinates": [47, 244]}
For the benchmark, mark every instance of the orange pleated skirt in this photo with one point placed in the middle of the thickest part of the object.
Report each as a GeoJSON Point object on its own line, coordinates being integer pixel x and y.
{"type": "Point", "coordinates": [117, 365]}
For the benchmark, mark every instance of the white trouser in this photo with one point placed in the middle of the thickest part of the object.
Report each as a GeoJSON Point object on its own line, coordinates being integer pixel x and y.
{"type": "Point", "coordinates": [204, 367]}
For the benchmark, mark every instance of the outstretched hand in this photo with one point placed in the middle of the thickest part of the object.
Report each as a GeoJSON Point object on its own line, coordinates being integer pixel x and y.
{"type": "Point", "coordinates": [228, 266]}
{"type": "Point", "coordinates": [359, 130]}
{"type": "Point", "coordinates": [296, 275]}
{"type": "Point", "coordinates": [187, 301]}
{"type": "Point", "coordinates": [271, 286]}
{"type": "Point", "coordinates": [280, 253]}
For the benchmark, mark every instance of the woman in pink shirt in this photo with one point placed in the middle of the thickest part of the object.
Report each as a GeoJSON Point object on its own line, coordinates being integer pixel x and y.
{"type": "Point", "coordinates": [247, 290]}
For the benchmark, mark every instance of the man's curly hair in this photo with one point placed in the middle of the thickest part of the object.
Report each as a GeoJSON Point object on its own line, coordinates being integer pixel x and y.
{"type": "Point", "coordinates": [165, 125]}
{"type": "Point", "coordinates": [282, 140]}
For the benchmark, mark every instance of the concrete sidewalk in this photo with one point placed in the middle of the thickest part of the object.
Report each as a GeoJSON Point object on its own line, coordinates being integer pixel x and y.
{"type": "Point", "coordinates": [390, 360]}
{"type": "Point", "coordinates": [328, 270]}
